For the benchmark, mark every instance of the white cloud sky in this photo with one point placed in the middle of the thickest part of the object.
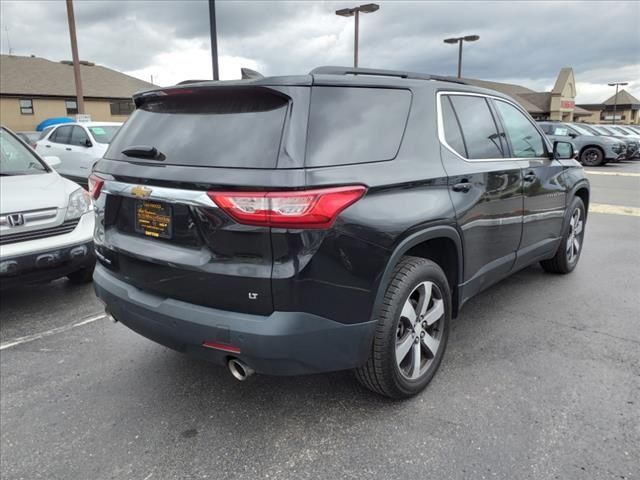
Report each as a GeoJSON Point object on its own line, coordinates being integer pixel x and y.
{"type": "Point", "coordinates": [521, 42]}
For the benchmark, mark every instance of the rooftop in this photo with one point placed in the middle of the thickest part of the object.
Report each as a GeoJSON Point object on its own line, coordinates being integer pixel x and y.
{"type": "Point", "coordinates": [624, 98]}
{"type": "Point", "coordinates": [39, 76]}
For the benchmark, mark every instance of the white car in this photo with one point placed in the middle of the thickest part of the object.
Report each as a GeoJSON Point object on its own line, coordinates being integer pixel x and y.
{"type": "Point", "coordinates": [46, 221]}
{"type": "Point", "coordinates": [78, 146]}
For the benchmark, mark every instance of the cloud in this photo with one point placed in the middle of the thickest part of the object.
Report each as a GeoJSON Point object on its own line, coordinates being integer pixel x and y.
{"type": "Point", "coordinates": [520, 42]}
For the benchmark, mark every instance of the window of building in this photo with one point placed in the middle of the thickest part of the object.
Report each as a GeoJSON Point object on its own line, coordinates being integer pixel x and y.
{"type": "Point", "coordinates": [479, 129]}
{"type": "Point", "coordinates": [71, 106]}
{"type": "Point", "coordinates": [523, 137]}
{"type": "Point", "coordinates": [122, 108]}
{"type": "Point", "coordinates": [26, 106]}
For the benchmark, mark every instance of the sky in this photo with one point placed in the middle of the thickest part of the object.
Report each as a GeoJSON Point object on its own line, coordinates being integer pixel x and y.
{"type": "Point", "coordinates": [521, 42]}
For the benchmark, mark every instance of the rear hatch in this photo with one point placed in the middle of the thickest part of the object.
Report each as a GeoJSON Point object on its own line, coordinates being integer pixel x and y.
{"type": "Point", "coordinates": [159, 230]}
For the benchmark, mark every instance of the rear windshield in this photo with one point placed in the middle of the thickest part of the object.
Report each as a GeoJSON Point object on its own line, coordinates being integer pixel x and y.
{"type": "Point", "coordinates": [227, 127]}
{"type": "Point", "coordinates": [355, 125]}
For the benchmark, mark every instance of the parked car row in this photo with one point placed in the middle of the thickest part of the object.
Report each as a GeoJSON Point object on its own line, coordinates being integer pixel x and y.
{"type": "Point", "coordinates": [596, 144]}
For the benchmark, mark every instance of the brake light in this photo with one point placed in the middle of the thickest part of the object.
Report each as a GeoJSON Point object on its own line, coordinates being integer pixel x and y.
{"type": "Point", "coordinates": [95, 186]}
{"type": "Point", "coordinates": [298, 209]}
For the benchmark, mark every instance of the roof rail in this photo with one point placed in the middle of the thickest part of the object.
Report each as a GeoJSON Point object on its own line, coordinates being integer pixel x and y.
{"type": "Point", "coordinates": [329, 70]}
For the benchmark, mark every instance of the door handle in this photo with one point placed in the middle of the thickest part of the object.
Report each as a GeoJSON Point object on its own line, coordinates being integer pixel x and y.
{"type": "Point", "coordinates": [530, 177]}
{"type": "Point", "coordinates": [463, 186]}
{"type": "Point", "coordinates": [48, 146]}
{"type": "Point", "coordinates": [68, 149]}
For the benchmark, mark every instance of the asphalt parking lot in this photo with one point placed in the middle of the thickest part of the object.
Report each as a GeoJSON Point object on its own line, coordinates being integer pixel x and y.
{"type": "Point", "coordinates": [541, 380]}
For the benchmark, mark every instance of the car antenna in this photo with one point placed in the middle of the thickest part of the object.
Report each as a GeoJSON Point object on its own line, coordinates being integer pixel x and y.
{"type": "Point", "coordinates": [248, 74]}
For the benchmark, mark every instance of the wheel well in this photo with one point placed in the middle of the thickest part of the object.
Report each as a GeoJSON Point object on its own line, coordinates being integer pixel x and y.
{"type": "Point", "coordinates": [442, 251]}
{"type": "Point", "coordinates": [583, 193]}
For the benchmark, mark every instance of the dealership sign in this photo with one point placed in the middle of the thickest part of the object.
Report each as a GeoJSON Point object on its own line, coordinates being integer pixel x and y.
{"type": "Point", "coordinates": [567, 104]}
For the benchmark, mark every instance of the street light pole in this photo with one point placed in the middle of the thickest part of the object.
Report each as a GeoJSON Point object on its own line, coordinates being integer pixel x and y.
{"type": "Point", "coordinates": [355, 40]}
{"type": "Point", "coordinates": [459, 41]}
{"type": "Point", "coordinates": [214, 38]}
{"type": "Point", "coordinates": [460, 59]}
{"type": "Point", "coordinates": [355, 12]}
{"type": "Point", "coordinates": [615, 99]}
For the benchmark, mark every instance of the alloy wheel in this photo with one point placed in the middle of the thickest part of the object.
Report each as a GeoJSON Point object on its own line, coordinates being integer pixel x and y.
{"type": "Point", "coordinates": [574, 240]}
{"type": "Point", "coordinates": [420, 330]}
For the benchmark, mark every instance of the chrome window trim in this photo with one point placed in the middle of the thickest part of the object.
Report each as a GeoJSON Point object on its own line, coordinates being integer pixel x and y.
{"type": "Point", "coordinates": [195, 198]}
{"type": "Point", "coordinates": [443, 141]}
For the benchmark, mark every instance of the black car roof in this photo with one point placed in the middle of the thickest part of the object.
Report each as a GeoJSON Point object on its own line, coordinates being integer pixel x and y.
{"type": "Point", "coordinates": [343, 76]}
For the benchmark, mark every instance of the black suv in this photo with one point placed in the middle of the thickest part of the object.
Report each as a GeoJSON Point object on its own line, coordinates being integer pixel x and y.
{"type": "Point", "coordinates": [336, 220]}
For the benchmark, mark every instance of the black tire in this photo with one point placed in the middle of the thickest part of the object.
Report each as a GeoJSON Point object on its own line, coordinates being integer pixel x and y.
{"type": "Point", "coordinates": [382, 373]}
{"type": "Point", "coordinates": [592, 157]}
{"type": "Point", "coordinates": [564, 261]}
{"type": "Point", "coordinates": [84, 275]}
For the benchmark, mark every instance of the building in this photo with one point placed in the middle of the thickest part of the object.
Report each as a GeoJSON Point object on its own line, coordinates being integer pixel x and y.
{"type": "Point", "coordinates": [33, 89]}
{"type": "Point", "coordinates": [558, 104]}
{"type": "Point", "coordinates": [627, 109]}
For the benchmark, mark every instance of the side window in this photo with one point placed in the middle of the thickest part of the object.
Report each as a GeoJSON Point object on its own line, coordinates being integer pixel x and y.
{"type": "Point", "coordinates": [478, 127]}
{"type": "Point", "coordinates": [525, 140]}
{"type": "Point", "coordinates": [62, 135]}
{"type": "Point", "coordinates": [546, 128]}
{"type": "Point", "coordinates": [79, 137]}
{"type": "Point", "coordinates": [452, 133]}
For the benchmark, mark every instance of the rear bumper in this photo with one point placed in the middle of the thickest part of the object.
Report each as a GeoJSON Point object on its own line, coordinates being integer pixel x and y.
{"type": "Point", "coordinates": [283, 343]}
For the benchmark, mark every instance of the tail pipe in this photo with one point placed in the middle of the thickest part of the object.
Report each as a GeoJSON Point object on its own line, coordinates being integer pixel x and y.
{"type": "Point", "coordinates": [240, 370]}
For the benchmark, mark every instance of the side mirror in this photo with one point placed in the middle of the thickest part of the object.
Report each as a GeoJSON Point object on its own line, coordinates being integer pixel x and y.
{"type": "Point", "coordinates": [572, 135]}
{"type": "Point", "coordinates": [88, 143]}
{"type": "Point", "coordinates": [52, 161]}
{"type": "Point", "coordinates": [563, 150]}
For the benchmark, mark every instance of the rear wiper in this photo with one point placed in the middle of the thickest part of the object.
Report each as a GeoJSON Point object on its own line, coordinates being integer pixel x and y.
{"type": "Point", "coordinates": [143, 151]}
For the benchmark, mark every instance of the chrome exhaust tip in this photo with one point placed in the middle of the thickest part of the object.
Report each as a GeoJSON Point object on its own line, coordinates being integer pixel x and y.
{"type": "Point", "coordinates": [240, 370]}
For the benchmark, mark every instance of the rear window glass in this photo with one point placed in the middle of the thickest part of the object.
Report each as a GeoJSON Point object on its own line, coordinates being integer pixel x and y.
{"type": "Point", "coordinates": [355, 125]}
{"type": "Point", "coordinates": [227, 127]}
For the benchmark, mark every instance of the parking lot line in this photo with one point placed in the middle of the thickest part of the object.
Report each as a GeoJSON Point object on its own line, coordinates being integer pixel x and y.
{"type": "Point", "coordinates": [53, 331]}
{"type": "Point", "coordinates": [614, 209]}
{"type": "Point", "coordinates": [616, 174]}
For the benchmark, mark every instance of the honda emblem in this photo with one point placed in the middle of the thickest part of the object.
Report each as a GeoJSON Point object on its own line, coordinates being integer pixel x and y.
{"type": "Point", "coordinates": [15, 219]}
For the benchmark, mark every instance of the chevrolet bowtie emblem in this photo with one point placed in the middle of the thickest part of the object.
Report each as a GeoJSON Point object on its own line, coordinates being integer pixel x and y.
{"type": "Point", "coordinates": [140, 192]}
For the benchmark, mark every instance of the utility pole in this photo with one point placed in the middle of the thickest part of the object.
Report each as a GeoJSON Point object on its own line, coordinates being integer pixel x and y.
{"type": "Point", "coordinates": [355, 11]}
{"type": "Point", "coordinates": [74, 52]}
{"type": "Point", "coordinates": [214, 39]}
{"type": "Point", "coordinates": [615, 99]}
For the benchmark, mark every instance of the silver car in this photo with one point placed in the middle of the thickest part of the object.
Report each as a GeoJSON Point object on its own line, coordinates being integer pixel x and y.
{"type": "Point", "coordinates": [46, 221]}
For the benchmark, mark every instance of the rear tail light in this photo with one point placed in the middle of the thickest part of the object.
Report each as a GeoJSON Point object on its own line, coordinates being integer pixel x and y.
{"type": "Point", "coordinates": [299, 209]}
{"type": "Point", "coordinates": [95, 186]}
